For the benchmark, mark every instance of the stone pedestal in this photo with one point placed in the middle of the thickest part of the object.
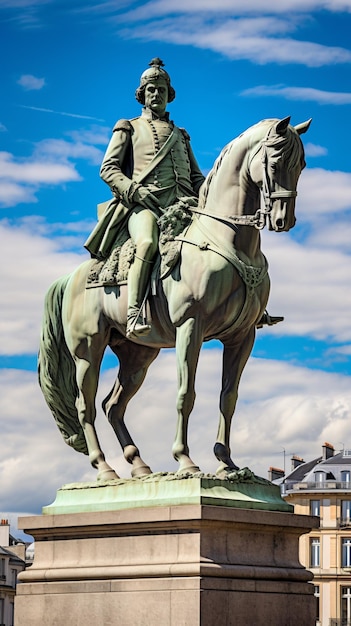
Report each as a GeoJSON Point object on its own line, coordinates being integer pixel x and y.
{"type": "Point", "coordinates": [187, 564]}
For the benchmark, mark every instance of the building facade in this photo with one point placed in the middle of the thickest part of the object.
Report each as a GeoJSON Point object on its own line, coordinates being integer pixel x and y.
{"type": "Point", "coordinates": [10, 566]}
{"type": "Point", "coordinates": [322, 487]}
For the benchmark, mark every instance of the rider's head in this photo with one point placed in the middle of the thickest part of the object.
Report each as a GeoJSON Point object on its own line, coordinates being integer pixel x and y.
{"type": "Point", "coordinates": [157, 76]}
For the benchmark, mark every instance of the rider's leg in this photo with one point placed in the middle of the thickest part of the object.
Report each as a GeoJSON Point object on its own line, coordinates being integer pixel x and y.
{"type": "Point", "coordinates": [143, 230]}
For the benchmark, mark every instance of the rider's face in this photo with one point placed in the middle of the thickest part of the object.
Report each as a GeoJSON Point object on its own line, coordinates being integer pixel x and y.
{"type": "Point", "coordinates": [156, 96]}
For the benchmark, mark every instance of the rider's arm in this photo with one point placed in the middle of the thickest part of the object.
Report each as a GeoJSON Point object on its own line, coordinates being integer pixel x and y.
{"type": "Point", "coordinates": [114, 163]}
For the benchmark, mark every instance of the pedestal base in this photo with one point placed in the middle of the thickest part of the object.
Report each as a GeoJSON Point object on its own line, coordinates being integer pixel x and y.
{"type": "Point", "coordinates": [181, 565]}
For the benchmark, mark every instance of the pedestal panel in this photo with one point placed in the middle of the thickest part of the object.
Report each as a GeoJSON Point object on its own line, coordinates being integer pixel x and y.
{"type": "Point", "coordinates": [181, 565]}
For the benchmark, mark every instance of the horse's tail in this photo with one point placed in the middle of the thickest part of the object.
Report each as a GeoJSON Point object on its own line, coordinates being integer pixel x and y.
{"type": "Point", "coordinates": [57, 371]}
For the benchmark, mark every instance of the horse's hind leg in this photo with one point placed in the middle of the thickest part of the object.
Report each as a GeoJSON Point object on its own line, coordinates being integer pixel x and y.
{"type": "Point", "coordinates": [134, 362]}
{"type": "Point", "coordinates": [87, 375]}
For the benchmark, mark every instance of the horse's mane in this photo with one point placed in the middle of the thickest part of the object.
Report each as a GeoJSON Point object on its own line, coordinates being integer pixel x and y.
{"type": "Point", "coordinates": [212, 173]}
{"type": "Point", "coordinates": [287, 148]}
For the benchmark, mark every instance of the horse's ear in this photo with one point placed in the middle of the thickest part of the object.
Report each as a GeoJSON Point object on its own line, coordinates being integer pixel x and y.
{"type": "Point", "coordinates": [282, 125]}
{"type": "Point", "coordinates": [303, 128]}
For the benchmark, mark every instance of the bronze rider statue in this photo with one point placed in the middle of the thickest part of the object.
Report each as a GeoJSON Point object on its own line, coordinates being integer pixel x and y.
{"type": "Point", "coordinates": [148, 165]}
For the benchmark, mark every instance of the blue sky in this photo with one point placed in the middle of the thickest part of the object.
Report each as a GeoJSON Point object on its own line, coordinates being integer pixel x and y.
{"type": "Point", "coordinates": [69, 71]}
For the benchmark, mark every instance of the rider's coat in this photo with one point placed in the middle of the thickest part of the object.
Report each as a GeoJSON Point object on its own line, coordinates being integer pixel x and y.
{"type": "Point", "coordinates": [133, 146]}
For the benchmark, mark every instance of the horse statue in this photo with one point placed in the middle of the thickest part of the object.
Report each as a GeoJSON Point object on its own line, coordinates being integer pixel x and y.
{"type": "Point", "coordinates": [218, 289]}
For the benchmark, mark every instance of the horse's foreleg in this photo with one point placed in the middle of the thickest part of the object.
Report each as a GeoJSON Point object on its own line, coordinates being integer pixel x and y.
{"type": "Point", "coordinates": [234, 361]}
{"type": "Point", "coordinates": [87, 375]}
{"type": "Point", "coordinates": [188, 344]}
{"type": "Point", "coordinates": [134, 362]}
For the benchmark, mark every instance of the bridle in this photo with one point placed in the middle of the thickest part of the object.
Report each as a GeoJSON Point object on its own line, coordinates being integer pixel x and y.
{"type": "Point", "coordinates": [268, 195]}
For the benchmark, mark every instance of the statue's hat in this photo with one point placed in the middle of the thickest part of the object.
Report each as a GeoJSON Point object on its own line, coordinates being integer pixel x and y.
{"type": "Point", "coordinates": [155, 72]}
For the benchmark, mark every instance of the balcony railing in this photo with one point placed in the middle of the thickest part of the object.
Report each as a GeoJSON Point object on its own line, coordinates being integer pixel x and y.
{"type": "Point", "coordinates": [344, 522]}
{"type": "Point", "coordinates": [339, 621]}
{"type": "Point", "coordinates": [315, 486]}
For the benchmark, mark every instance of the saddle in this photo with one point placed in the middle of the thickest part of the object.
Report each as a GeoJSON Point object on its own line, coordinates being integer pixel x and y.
{"type": "Point", "coordinates": [113, 271]}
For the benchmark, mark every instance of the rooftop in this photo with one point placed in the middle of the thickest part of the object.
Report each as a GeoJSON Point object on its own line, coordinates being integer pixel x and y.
{"type": "Point", "coordinates": [329, 471]}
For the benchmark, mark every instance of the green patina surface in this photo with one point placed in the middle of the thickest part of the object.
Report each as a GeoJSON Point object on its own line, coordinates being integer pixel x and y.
{"type": "Point", "coordinates": [239, 489]}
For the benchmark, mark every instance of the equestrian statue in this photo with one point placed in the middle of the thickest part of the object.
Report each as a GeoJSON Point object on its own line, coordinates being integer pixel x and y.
{"type": "Point", "coordinates": [175, 261]}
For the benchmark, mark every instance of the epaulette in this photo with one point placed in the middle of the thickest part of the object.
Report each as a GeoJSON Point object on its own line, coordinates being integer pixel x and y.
{"type": "Point", "coordinates": [185, 134]}
{"type": "Point", "coordinates": [123, 125]}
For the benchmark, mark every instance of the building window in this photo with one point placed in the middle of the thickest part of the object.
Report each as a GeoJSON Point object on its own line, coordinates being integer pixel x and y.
{"type": "Point", "coordinates": [346, 552]}
{"type": "Point", "coordinates": [319, 477]}
{"type": "Point", "coordinates": [345, 605]}
{"type": "Point", "coordinates": [315, 552]}
{"type": "Point", "coordinates": [2, 569]}
{"type": "Point", "coordinates": [317, 596]}
{"type": "Point", "coordinates": [345, 476]}
{"type": "Point", "coordinates": [315, 507]}
{"type": "Point", "coordinates": [2, 610]}
{"type": "Point", "coordinates": [346, 513]}
{"type": "Point", "coordinates": [14, 577]}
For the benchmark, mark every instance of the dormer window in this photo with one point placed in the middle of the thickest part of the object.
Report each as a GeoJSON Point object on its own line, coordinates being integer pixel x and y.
{"type": "Point", "coordinates": [345, 476]}
{"type": "Point", "coordinates": [319, 477]}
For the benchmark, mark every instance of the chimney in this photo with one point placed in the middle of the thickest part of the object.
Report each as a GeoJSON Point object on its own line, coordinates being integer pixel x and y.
{"type": "Point", "coordinates": [274, 473]}
{"type": "Point", "coordinates": [327, 450]}
{"type": "Point", "coordinates": [296, 461]}
{"type": "Point", "coordinates": [4, 533]}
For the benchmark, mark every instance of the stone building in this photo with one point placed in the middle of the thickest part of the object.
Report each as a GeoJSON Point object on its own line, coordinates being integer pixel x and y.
{"type": "Point", "coordinates": [12, 555]}
{"type": "Point", "coordinates": [322, 487]}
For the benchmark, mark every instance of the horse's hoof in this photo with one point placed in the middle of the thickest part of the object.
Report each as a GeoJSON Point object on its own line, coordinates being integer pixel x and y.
{"type": "Point", "coordinates": [105, 475]}
{"type": "Point", "coordinates": [224, 470]}
{"type": "Point", "coordinates": [141, 470]}
{"type": "Point", "coordinates": [189, 469]}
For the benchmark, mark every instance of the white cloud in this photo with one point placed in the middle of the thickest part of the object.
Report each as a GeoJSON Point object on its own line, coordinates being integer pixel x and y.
{"type": "Point", "coordinates": [3, 128]}
{"type": "Point", "coordinates": [51, 163]}
{"type": "Point", "coordinates": [35, 171]}
{"type": "Point", "coordinates": [337, 235]}
{"type": "Point", "coordinates": [60, 149]}
{"type": "Point", "coordinates": [12, 193]}
{"type": "Point", "coordinates": [258, 40]}
{"type": "Point", "coordinates": [323, 192]}
{"type": "Point", "coordinates": [39, 261]}
{"type": "Point", "coordinates": [64, 113]}
{"type": "Point", "coordinates": [270, 416]}
{"type": "Point", "coordinates": [9, 4]}
{"type": "Point", "coordinates": [96, 135]}
{"type": "Point", "coordinates": [309, 287]}
{"type": "Point", "coordinates": [21, 178]}
{"type": "Point", "coordinates": [156, 8]}
{"type": "Point", "coordinates": [313, 150]}
{"type": "Point", "coordinates": [300, 93]}
{"type": "Point", "coordinates": [30, 82]}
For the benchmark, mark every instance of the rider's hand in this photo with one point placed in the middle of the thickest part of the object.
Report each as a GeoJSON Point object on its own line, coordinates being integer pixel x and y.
{"type": "Point", "coordinates": [146, 198]}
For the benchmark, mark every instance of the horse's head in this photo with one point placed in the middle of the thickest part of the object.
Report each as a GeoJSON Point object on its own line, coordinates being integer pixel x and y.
{"type": "Point", "coordinates": [275, 168]}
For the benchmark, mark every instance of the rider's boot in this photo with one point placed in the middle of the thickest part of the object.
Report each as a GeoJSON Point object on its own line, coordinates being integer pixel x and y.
{"type": "Point", "coordinates": [138, 277]}
{"type": "Point", "coordinates": [268, 320]}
